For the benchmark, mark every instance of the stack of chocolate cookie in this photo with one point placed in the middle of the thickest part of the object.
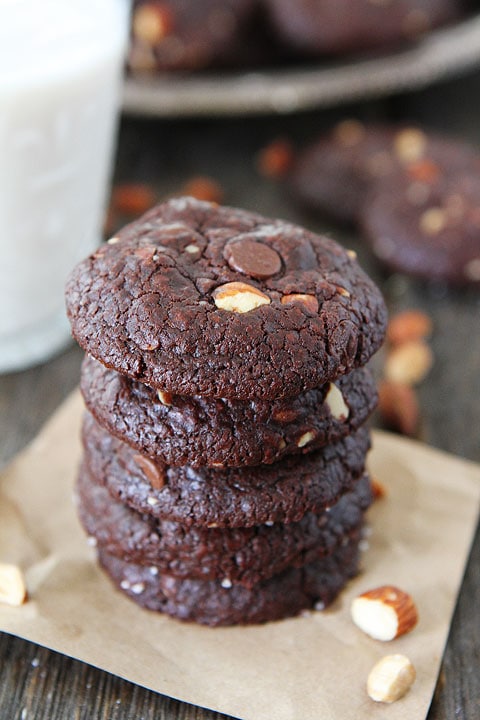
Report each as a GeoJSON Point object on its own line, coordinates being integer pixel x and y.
{"type": "Point", "coordinates": [223, 475]}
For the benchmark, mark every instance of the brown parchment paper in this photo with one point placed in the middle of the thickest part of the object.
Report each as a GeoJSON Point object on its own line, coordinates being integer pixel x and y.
{"type": "Point", "coordinates": [304, 668]}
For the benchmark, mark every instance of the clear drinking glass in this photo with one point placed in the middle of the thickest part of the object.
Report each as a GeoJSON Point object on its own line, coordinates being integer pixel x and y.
{"type": "Point", "coordinates": [61, 66]}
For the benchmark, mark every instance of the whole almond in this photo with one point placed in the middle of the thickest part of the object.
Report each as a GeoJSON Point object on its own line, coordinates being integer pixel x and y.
{"type": "Point", "coordinates": [132, 198]}
{"type": "Point", "coordinates": [239, 297]}
{"type": "Point", "coordinates": [408, 363]}
{"type": "Point", "coordinates": [275, 160]}
{"type": "Point", "coordinates": [384, 613]}
{"type": "Point", "coordinates": [407, 326]}
{"type": "Point", "coordinates": [203, 188]}
{"type": "Point", "coordinates": [398, 407]}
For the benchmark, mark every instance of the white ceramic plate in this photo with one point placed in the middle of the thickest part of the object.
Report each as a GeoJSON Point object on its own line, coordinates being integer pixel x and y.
{"type": "Point", "coordinates": [442, 53]}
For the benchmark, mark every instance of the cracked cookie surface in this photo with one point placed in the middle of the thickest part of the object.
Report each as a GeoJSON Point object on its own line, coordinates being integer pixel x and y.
{"type": "Point", "coordinates": [174, 301]}
{"type": "Point", "coordinates": [245, 555]}
{"type": "Point", "coordinates": [226, 497]}
{"type": "Point", "coordinates": [197, 431]}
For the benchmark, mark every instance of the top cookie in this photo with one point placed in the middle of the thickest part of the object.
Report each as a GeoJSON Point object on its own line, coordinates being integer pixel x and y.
{"type": "Point", "coordinates": [197, 299]}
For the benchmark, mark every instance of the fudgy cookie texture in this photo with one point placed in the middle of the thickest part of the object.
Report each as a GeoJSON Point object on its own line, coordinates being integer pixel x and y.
{"type": "Point", "coordinates": [186, 34]}
{"type": "Point", "coordinates": [197, 299]}
{"type": "Point", "coordinates": [227, 497]}
{"type": "Point", "coordinates": [342, 26]}
{"type": "Point", "coordinates": [431, 229]}
{"type": "Point", "coordinates": [210, 603]}
{"type": "Point", "coordinates": [244, 555]}
{"type": "Point", "coordinates": [338, 172]}
{"type": "Point", "coordinates": [203, 432]}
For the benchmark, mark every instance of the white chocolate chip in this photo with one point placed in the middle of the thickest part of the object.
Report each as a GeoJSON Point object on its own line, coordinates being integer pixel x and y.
{"type": "Point", "coordinates": [113, 240]}
{"type": "Point", "coordinates": [336, 404]}
{"type": "Point", "coordinates": [226, 583]}
{"type": "Point", "coordinates": [152, 501]}
{"type": "Point", "coordinates": [138, 588]}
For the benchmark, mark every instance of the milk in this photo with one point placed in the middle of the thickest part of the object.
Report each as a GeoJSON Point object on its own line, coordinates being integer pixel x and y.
{"type": "Point", "coordinates": [61, 65]}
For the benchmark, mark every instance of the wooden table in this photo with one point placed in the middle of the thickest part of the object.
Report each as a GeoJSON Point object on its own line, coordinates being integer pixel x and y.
{"type": "Point", "coordinates": [37, 683]}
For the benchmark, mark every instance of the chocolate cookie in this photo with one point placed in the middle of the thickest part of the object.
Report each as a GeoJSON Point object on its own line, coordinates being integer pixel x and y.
{"type": "Point", "coordinates": [342, 26]}
{"type": "Point", "coordinates": [185, 34]}
{"type": "Point", "coordinates": [244, 555]}
{"type": "Point", "coordinates": [209, 432]}
{"type": "Point", "coordinates": [227, 497]}
{"type": "Point", "coordinates": [429, 230]}
{"type": "Point", "coordinates": [336, 174]}
{"type": "Point", "coordinates": [197, 299]}
{"type": "Point", "coordinates": [211, 603]}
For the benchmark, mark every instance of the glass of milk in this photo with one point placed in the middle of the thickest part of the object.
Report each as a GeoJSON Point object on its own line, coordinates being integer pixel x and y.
{"type": "Point", "coordinates": [61, 64]}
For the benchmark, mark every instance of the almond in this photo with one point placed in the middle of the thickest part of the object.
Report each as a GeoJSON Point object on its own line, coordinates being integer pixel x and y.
{"type": "Point", "coordinates": [390, 678]}
{"type": "Point", "coordinates": [408, 363]}
{"type": "Point", "coordinates": [337, 405]}
{"type": "Point", "coordinates": [239, 297]}
{"type": "Point", "coordinates": [164, 397]}
{"type": "Point", "coordinates": [306, 438]}
{"type": "Point", "coordinates": [275, 160]}
{"type": "Point", "coordinates": [151, 23]}
{"type": "Point", "coordinates": [410, 145]}
{"type": "Point", "coordinates": [398, 407]}
{"type": "Point", "coordinates": [378, 489]}
{"type": "Point", "coordinates": [310, 301]}
{"type": "Point", "coordinates": [13, 590]}
{"type": "Point", "coordinates": [132, 198]}
{"type": "Point", "coordinates": [384, 613]}
{"type": "Point", "coordinates": [407, 326]}
{"type": "Point", "coordinates": [203, 188]}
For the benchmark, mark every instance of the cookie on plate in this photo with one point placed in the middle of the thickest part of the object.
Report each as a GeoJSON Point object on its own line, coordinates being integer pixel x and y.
{"type": "Point", "coordinates": [240, 555]}
{"type": "Point", "coordinates": [343, 26]}
{"type": "Point", "coordinates": [428, 230]}
{"type": "Point", "coordinates": [226, 497]}
{"type": "Point", "coordinates": [196, 299]}
{"type": "Point", "coordinates": [336, 174]}
{"type": "Point", "coordinates": [210, 432]}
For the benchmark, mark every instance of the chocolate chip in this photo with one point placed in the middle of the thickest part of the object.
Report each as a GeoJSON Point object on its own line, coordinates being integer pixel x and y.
{"type": "Point", "coordinates": [151, 471]}
{"type": "Point", "coordinates": [252, 258]}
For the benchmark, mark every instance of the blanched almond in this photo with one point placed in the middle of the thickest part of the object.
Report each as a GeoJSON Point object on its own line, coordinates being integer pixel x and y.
{"type": "Point", "coordinates": [13, 590]}
{"type": "Point", "coordinates": [390, 678]}
{"type": "Point", "coordinates": [337, 405]}
{"type": "Point", "coordinates": [407, 326]}
{"type": "Point", "coordinates": [408, 363]}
